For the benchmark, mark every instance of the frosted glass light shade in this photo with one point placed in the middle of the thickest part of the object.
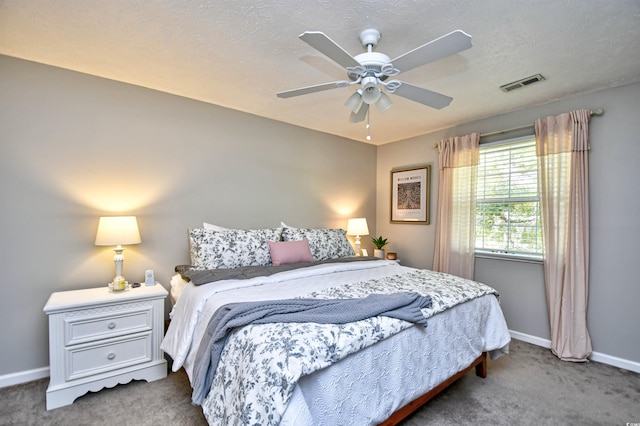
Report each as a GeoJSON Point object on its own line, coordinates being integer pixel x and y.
{"type": "Point", "coordinates": [371, 95]}
{"type": "Point", "coordinates": [354, 103]}
{"type": "Point", "coordinates": [384, 102]}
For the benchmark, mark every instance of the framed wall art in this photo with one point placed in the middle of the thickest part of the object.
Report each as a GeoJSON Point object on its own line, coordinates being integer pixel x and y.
{"type": "Point", "coordinates": [410, 195]}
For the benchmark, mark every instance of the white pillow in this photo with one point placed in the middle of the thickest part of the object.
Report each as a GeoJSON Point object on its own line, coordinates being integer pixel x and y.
{"type": "Point", "coordinates": [177, 284]}
{"type": "Point", "coordinates": [216, 228]}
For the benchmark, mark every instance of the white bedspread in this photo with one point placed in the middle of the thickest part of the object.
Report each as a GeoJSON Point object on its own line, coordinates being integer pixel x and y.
{"type": "Point", "coordinates": [202, 301]}
{"type": "Point", "coordinates": [386, 376]}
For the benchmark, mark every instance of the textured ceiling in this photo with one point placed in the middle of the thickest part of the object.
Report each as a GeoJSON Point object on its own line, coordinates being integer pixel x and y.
{"type": "Point", "coordinates": [239, 53]}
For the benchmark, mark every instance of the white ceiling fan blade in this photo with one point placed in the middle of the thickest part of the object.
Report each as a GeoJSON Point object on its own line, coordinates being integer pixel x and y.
{"type": "Point", "coordinates": [329, 48]}
{"type": "Point", "coordinates": [312, 89]}
{"type": "Point", "coordinates": [423, 96]}
{"type": "Point", "coordinates": [449, 44]}
{"type": "Point", "coordinates": [359, 116]}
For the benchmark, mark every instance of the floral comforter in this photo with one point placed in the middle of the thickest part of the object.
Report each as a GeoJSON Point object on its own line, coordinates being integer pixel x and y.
{"type": "Point", "coordinates": [261, 364]}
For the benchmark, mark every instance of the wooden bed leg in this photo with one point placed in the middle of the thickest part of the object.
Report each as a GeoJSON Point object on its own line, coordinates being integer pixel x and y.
{"type": "Point", "coordinates": [481, 367]}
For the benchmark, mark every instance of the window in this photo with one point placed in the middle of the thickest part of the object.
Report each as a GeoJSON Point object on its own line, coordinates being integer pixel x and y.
{"type": "Point", "coordinates": [507, 209]}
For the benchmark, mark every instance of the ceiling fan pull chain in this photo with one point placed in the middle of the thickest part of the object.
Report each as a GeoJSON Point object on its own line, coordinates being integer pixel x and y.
{"type": "Point", "coordinates": [368, 126]}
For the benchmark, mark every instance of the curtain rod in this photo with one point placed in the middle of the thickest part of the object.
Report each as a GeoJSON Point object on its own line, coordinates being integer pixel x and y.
{"type": "Point", "coordinates": [597, 111]}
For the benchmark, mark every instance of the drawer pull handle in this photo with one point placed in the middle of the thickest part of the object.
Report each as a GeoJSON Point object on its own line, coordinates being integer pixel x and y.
{"type": "Point", "coordinates": [111, 356]}
{"type": "Point", "coordinates": [112, 325]}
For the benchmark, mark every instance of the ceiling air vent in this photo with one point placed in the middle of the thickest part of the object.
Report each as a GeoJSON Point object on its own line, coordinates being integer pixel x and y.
{"type": "Point", "coordinates": [522, 83]}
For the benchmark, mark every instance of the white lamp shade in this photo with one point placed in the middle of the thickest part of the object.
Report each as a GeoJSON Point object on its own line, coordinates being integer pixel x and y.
{"type": "Point", "coordinates": [357, 226]}
{"type": "Point", "coordinates": [117, 230]}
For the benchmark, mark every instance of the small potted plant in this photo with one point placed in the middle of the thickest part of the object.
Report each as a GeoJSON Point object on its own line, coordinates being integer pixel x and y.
{"type": "Point", "coordinates": [379, 243]}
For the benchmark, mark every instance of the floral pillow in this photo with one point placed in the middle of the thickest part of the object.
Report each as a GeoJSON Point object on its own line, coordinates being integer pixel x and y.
{"type": "Point", "coordinates": [231, 249]}
{"type": "Point", "coordinates": [324, 243]}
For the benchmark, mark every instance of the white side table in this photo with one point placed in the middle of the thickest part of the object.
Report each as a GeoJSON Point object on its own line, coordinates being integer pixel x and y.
{"type": "Point", "coordinates": [99, 339]}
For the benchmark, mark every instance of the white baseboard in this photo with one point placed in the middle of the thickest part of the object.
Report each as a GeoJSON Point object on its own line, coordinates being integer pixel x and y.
{"type": "Point", "coordinates": [23, 377]}
{"type": "Point", "coordinates": [595, 356]}
{"type": "Point", "coordinates": [615, 361]}
{"type": "Point", "coordinates": [538, 341]}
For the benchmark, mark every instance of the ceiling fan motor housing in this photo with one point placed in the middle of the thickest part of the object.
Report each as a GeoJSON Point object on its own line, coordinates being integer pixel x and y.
{"type": "Point", "coordinates": [372, 63]}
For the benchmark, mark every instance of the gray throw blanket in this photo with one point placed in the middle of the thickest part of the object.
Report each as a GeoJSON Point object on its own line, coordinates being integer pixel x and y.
{"type": "Point", "coordinates": [403, 306]}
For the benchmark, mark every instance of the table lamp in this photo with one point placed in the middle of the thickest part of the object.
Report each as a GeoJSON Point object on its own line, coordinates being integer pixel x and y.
{"type": "Point", "coordinates": [118, 231]}
{"type": "Point", "coordinates": [357, 227]}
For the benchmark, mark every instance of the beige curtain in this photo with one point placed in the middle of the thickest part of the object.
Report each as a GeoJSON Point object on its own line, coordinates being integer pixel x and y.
{"type": "Point", "coordinates": [456, 215]}
{"type": "Point", "coordinates": [563, 175]}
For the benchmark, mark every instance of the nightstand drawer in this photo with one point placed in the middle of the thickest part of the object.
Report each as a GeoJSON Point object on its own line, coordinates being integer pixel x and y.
{"type": "Point", "coordinates": [107, 322]}
{"type": "Point", "coordinates": [87, 360]}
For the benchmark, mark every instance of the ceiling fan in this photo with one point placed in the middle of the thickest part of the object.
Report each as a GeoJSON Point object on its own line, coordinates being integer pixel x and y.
{"type": "Point", "coordinates": [370, 70]}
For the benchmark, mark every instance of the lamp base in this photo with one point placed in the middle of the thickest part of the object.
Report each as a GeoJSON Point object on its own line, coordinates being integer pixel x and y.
{"type": "Point", "coordinates": [112, 288]}
{"type": "Point", "coordinates": [119, 284]}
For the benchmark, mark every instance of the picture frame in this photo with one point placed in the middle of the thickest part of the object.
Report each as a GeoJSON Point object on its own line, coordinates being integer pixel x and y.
{"type": "Point", "coordinates": [411, 195]}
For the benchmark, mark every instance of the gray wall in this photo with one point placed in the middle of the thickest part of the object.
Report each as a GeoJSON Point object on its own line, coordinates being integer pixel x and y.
{"type": "Point", "coordinates": [613, 314]}
{"type": "Point", "coordinates": [74, 147]}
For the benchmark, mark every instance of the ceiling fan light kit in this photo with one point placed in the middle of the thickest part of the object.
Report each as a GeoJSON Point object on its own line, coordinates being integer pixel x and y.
{"type": "Point", "coordinates": [371, 69]}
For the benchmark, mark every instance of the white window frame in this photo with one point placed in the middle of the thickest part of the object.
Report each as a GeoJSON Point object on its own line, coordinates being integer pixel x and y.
{"type": "Point", "coordinates": [507, 255]}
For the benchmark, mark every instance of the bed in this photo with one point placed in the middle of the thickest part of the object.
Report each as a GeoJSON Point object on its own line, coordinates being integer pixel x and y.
{"type": "Point", "coordinates": [376, 370]}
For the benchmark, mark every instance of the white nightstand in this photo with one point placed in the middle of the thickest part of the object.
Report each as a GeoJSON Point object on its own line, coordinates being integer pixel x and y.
{"type": "Point", "coordinates": [99, 339]}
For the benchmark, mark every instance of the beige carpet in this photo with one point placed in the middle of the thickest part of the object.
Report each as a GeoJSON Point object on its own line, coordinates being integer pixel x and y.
{"type": "Point", "coordinates": [527, 387]}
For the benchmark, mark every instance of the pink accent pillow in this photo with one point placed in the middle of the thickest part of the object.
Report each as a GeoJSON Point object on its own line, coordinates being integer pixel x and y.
{"type": "Point", "coordinates": [284, 252]}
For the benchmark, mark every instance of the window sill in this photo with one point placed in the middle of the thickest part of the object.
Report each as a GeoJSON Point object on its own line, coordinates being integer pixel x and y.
{"type": "Point", "coordinates": [509, 256]}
